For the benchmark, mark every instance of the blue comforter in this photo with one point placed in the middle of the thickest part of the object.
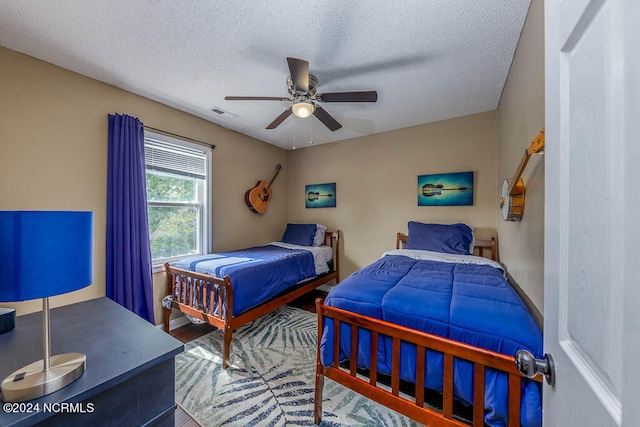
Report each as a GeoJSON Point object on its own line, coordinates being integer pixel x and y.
{"type": "Point", "coordinates": [257, 274]}
{"type": "Point", "coordinates": [465, 302]}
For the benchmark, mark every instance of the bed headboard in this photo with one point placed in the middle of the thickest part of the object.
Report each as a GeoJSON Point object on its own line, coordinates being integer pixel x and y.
{"type": "Point", "coordinates": [479, 245]}
{"type": "Point", "coordinates": [332, 238]}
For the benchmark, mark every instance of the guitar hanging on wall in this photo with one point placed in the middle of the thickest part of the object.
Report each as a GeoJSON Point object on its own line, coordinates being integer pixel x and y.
{"type": "Point", "coordinates": [257, 198]}
{"type": "Point", "coordinates": [512, 203]}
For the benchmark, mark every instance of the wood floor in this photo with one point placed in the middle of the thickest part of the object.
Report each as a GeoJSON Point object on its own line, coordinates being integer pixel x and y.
{"type": "Point", "coordinates": [190, 332]}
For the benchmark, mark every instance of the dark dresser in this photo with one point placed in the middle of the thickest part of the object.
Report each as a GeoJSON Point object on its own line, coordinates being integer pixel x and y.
{"type": "Point", "coordinates": [130, 375]}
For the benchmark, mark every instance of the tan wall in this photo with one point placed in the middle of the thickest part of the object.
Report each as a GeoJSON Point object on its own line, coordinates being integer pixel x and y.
{"type": "Point", "coordinates": [53, 156]}
{"type": "Point", "coordinates": [520, 118]}
{"type": "Point", "coordinates": [376, 182]}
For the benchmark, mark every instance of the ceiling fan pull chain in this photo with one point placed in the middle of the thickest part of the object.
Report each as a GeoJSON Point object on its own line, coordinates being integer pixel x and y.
{"type": "Point", "coordinates": [311, 125]}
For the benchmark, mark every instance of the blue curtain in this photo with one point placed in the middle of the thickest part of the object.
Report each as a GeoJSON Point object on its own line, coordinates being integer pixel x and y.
{"type": "Point", "coordinates": [129, 276]}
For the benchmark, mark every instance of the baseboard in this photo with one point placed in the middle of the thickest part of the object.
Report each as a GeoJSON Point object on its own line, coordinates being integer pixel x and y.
{"type": "Point", "coordinates": [175, 323]}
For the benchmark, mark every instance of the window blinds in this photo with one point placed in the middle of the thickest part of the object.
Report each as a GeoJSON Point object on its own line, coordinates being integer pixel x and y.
{"type": "Point", "coordinates": [172, 158]}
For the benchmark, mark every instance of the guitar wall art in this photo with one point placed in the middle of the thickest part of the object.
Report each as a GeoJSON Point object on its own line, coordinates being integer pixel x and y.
{"type": "Point", "coordinates": [446, 189]}
{"type": "Point", "coordinates": [320, 195]}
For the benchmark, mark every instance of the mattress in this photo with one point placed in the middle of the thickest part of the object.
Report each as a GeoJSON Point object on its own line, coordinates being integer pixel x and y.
{"type": "Point", "coordinates": [460, 297]}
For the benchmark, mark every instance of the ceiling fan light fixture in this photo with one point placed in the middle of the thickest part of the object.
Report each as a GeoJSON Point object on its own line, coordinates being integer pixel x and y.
{"type": "Point", "coordinates": [303, 109]}
{"type": "Point", "coordinates": [302, 87]}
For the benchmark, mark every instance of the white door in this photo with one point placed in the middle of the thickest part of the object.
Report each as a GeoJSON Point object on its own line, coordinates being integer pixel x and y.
{"type": "Point", "coordinates": [592, 212]}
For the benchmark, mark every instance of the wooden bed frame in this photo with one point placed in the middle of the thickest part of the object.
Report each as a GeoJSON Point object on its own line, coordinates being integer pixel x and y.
{"type": "Point", "coordinates": [186, 281]}
{"type": "Point", "coordinates": [414, 408]}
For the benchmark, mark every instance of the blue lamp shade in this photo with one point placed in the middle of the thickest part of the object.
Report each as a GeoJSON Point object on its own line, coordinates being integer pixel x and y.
{"type": "Point", "coordinates": [44, 253]}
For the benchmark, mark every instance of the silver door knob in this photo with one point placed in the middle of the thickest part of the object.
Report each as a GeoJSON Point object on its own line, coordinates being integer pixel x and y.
{"type": "Point", "coordinates": [529, 366]}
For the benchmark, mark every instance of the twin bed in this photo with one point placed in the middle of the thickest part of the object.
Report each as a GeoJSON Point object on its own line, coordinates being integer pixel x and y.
{"type": "Point", "coordinates": [439, 319]}
{"type": "Point", "coordinates": [429, 317]}
{"type": "Point", "coordinates": [230, 289]}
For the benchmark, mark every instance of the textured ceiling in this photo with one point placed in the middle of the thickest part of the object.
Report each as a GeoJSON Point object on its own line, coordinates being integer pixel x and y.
{"type": "Point", "coordinates": [428, 60]}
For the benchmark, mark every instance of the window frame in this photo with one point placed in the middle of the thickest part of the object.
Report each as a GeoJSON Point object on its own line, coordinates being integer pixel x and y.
{"type": "Point", "coordinates": [205, 221]}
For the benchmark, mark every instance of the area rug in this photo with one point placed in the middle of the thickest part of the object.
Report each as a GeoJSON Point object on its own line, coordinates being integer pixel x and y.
{"type": "Point", "coordinates": [271, 379]}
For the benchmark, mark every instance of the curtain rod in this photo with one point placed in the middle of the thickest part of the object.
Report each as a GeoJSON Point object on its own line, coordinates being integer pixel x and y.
{"type": "Point", "coordinates": [180, 136]}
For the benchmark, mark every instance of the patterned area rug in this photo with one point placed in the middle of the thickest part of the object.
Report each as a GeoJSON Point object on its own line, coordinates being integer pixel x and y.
{"type": "Point", "coordinates": [271, 379]}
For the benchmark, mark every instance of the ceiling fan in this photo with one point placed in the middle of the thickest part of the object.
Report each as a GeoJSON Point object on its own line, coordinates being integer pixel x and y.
{"type": "Point", "coordinates": [302, 87]}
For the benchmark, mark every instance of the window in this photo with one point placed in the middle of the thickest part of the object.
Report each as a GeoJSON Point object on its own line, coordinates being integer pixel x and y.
{"type": "Point", "coordinates": [178, 197]}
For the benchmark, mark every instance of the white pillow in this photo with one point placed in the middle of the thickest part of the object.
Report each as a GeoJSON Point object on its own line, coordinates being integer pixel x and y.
{"type": "Point", "coordinates": [319, 239]}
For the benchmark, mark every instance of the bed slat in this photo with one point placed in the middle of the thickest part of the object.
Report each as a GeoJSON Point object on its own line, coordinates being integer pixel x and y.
{"type": "Point", "coordinates": [395, 366]}
{"type": "Point", "coordinates": [420, 371]}
{"type": "Point", "coordinates": [336, 343]}
{"type": "Point", "coordinates": [220, 302]}
{"type": "Point", "coordinates": [353, 355]}
{"type": "Point", "coordinates": [447, 390]}
{"type": "Point", "coordinates": [187, 293]}
{"type": "Point", "coordinates": [205, 296]}
{"type": "Point", "coordinates": [478, 395]}
{"type": "Point", "coordinates": [199, 292]}
{"type": "Point", "coordinates": [179, 289]}
{"type": "Point", "coordinates": [514, 400]}
{"type": "Point", "coordinates": [373, 370]}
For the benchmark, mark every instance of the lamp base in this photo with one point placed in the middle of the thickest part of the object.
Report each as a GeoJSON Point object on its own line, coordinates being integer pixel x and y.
{"type": "Point", "coordinates": [31, 382]}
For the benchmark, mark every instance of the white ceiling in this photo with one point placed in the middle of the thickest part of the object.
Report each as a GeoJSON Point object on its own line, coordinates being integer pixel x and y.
{"type": "Point", "coordinates": [428, 60]}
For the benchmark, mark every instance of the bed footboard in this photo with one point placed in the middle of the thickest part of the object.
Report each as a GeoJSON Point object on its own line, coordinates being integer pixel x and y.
{"type": "Point", "coordinates": [207, 298]}
{"type": "Point", "coordinates": [413, 408]}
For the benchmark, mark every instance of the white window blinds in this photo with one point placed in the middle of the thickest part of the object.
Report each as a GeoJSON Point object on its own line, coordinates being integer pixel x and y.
{"type": "Point", "coordinates": [175, 159]}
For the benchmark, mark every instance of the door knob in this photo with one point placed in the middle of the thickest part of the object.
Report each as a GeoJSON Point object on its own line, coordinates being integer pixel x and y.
{"type": "Point", "coordinates": [529, 366]}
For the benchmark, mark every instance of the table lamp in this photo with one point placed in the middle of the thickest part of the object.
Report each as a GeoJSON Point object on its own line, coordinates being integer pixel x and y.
{"type": "Point", "coordinates": [44, 253]}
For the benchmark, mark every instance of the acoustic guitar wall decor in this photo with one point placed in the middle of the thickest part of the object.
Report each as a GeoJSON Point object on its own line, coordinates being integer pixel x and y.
{"type": "Point", "coordinates": [512, 203]}
{"type": "Point", "coordinates": [257, 198]}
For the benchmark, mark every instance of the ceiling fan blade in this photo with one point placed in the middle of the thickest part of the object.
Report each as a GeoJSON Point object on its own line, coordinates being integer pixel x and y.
{"type": "Point", "coordinates": [299, 71]}
{"type": "Point", "coordinates": [255, 98]}
{"type": "Point", "coordinates": [358, 96]}
{"type": "Point", "coordinates": [326, 118]}
{"type": "Point", "coordinates": [274, 124]}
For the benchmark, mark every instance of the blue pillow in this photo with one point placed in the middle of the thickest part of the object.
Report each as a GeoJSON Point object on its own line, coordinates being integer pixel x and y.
{"type": "Point", "coordinates": [300, 234]}
{"type": "Point", "coordinates": [446, 238]}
